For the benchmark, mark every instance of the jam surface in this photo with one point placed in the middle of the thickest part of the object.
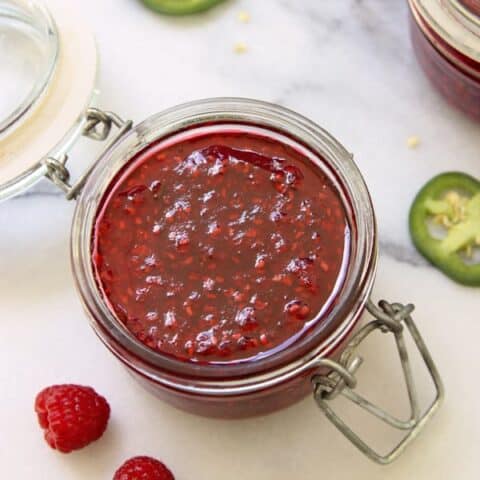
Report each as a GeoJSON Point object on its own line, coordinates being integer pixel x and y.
{"type": "Point", "coordinates": [220, 247]}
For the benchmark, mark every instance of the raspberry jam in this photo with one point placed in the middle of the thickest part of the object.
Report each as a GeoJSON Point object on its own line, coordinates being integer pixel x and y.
{"type": "Point", "coordinates": [220, 247]}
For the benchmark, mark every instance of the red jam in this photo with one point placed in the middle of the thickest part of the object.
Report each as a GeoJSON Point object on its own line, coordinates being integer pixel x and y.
{"type": "Point", "coordinates": [220, 247]}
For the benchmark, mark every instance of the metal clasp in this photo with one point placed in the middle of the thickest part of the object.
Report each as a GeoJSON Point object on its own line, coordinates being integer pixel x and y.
{"type": "Point", "coordinates": [98, 125]}
{"type": "Point", "coordinates": [389, 318]}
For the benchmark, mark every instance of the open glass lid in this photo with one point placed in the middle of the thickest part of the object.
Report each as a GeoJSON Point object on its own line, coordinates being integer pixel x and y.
{"type": "Point", "coordinates": [48, 68]}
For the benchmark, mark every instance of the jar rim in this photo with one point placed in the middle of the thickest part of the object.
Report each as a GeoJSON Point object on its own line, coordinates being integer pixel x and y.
{"type": "Point", "coordinates": [344, 313]}
{"type": "Point", "coordinates": [452, 22]}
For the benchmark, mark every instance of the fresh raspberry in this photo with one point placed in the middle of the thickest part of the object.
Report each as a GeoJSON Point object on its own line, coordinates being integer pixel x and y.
{"type": "Point", "coordinates": [71, 415]}
{"type": "Point", "coordinates": [143, 468]}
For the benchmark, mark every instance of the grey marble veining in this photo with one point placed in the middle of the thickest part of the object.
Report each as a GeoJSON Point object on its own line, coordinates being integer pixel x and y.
{"type": "Point", "coordinates": [406, 255]}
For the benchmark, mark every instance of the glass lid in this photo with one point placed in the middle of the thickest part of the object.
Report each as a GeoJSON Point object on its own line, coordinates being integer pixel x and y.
{"type": "Point", "coordinates": [456, 21]}
{"type": "Point", "coordinates": [48, 70]}
{"type": "Point", "coordinates": [29, 48]}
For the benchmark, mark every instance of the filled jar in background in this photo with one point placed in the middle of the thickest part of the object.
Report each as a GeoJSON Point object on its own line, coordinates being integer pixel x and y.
{"type": "Point", "coordinates": [446, 39]}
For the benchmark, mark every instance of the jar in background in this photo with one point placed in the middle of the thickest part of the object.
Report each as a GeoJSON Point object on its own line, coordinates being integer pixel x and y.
{"type": "Point", "coordinates": [446, 39]}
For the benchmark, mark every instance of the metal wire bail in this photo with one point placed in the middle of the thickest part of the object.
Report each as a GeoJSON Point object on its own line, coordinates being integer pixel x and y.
{"type": "Point", "coordinates": [57, 172]}
{"type": "Point", "coordinates": [389, 318]}
{"type": "Point", "coordinates": [98, 125]}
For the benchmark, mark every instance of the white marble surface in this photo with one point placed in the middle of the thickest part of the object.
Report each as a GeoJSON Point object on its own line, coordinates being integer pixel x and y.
{"type": "Point", "coordinates": [349, 66]}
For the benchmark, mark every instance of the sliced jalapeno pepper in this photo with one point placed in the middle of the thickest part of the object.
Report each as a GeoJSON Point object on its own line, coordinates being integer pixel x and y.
{"type": "Point", "coordinates": [180, 7]}
{"type": "Point", "coordinates": [445, 225]}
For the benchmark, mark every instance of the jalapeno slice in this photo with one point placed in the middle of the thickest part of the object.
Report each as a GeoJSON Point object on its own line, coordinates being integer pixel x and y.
{"type": "Point", "coordinates": [445, 225]}
{"type": "Point", "coordinates": [180, 7]}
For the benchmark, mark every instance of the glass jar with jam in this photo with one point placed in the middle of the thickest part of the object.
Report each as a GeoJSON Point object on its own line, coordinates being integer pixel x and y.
{"type": "Point", "coordinates": [446, 39]}
{"type": "Point", "coordinates": [224, 251]}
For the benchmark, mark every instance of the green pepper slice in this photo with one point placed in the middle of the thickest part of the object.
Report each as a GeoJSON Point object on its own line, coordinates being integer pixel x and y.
{"type": "Point", "coordinates": [180, 7]}
{"type": "Point", "coordinates": [452, 202]}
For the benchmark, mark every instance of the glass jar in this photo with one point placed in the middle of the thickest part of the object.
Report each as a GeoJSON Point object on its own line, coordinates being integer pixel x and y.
{"type": "Point", "coordinates": [202, 389]}
{"type": "Point", "coordinates": [324, 360]}
{"type": "Point", "coordinates": [446, 39]}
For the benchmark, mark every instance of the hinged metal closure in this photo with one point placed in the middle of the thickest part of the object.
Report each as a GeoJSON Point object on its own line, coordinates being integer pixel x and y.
{"type": "Point", "coordinates": [389, 318]}
{"type": "Point", "coordinates": [98, 125]}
